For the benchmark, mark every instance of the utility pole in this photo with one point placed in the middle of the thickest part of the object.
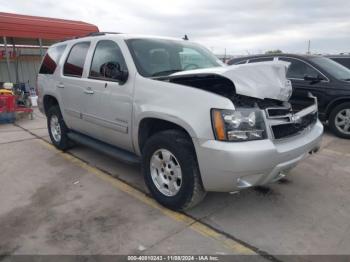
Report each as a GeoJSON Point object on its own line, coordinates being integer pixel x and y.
{"type": "Point", "coordinates": [7, 59]}
{"type": "Point", "coordinates": [308, 47]}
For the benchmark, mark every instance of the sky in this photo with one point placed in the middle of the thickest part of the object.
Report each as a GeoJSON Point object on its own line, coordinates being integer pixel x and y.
{"type": "Point", "coordinates": [240, 27]}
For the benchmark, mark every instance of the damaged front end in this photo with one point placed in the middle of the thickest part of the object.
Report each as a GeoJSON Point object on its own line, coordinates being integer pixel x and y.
{"type": "Point", "coordinates": [260, 94]}
{"type": "Point", "coordinates": [289, 121]}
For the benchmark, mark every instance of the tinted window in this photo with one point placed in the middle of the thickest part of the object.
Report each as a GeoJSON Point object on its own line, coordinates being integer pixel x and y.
{"type": "Point", "coordinates": [75, 62]}
{"type": "Point", "coordinates": [298, 69]}
{"type": "Point", "coordinates": [106, 52]}
{"type": "Point", "coordinates": [51, 59]}
{"type": "Point", "coordinates": [260, 59]}
{"type": "Point", "coordinates": [343, 61]}
{"type": "Point", "coordinates": [333, 68]}
{"type": "Point", "coordinates": [239, 63]}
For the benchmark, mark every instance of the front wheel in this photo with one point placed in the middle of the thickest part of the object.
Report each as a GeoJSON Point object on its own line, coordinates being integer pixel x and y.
{"type": "Point", "coordinates": [339, 120]}
{"type": "Point", "coordinates": [171, 171]}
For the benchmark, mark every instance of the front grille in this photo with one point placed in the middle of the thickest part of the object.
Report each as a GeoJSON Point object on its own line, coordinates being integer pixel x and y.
{"type": "Point", "coordinates": [290, 129]}
{"type": "Point", "coordinates": [278, 112]}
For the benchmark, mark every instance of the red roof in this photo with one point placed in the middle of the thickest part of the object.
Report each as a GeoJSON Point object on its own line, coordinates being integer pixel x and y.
{"type": "Point", "coordinates": [34, 27]}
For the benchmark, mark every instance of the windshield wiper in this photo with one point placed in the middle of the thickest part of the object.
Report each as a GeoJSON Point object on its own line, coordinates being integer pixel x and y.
{"type": "Point", "coordinates": [166, 72]}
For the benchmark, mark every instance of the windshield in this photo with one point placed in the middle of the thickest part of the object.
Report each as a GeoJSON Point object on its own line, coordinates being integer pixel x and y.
{"type": "Point", "coordinates": [159, 57]}
{"type": "Point", "coordinates": [333, 68]}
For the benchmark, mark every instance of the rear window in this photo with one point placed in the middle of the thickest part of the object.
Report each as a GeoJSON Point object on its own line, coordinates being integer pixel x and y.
{"type": "Point", "coordinates": [74, 64]}
{"type": "Point", "coordinates": [51, 59]}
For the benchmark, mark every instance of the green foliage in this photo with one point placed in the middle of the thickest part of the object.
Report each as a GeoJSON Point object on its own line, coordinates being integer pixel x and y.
{"type": "Point", "coordinates": [277, 51]}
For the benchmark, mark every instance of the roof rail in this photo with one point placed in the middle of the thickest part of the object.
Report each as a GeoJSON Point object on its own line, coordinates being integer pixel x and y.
{"type": "Point", "coordinates": [90, 34]}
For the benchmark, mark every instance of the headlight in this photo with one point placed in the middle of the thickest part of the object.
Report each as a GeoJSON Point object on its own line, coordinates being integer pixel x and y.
{"type": "Point", "coordinates": [242, 124]}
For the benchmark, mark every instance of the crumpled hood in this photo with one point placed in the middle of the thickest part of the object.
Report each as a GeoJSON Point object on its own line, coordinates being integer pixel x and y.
{"type": "Point", "coordinates": [260, 80]}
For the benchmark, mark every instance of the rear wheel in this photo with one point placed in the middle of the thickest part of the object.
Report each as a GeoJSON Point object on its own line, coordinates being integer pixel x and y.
{"type": "Point", "coordinates": [57, 129]}
{"type": "Point", "coordinates": [339, 120]}
{"type": "Point", "coordinates": [171, 171]}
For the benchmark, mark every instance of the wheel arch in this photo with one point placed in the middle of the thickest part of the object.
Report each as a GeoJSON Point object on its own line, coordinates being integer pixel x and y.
{"type": "Point", "coordinates": [335, 103]}
{"type": "Point", "coordinates": [49, 101]}
{"type": "Point", "coordinates": [150, 125]}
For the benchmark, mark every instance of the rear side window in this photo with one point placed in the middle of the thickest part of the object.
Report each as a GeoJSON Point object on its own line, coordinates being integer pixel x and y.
{"type": "Point", "coordinates": [106, 52]}
{"type": "Point", "coordinates": [74, 64]}
{"type": "Point", "coordinates": [260, 59]}
{"type": "Point", "coordinates": [51, 59]}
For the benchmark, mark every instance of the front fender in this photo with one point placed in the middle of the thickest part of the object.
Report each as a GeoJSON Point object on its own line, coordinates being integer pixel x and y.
{"type": "Point", "coordinates": [185, 106]}
{"type": "Point", "coordinates": [335, 102]}
{"type": "Point", "coordinates": [161, 116]}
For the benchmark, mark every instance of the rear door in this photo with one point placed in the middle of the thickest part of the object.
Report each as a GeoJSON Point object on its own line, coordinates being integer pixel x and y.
{"type": "Point", "coordinates": [297, 70]}
{"type": "Point", "coordinates": [71, 85]}
{"type": "Point", "coordinates": [49, 77]}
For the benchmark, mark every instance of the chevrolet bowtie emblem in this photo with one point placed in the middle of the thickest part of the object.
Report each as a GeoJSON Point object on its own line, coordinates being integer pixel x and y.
{"type": "Point", "coordinates": [295, 119]}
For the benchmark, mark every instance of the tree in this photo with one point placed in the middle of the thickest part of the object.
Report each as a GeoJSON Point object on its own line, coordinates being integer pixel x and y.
{"type": "Point", "coordinates": [277, 51]}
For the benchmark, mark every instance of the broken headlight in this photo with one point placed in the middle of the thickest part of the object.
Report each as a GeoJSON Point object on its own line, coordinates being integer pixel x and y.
{"type": "Point", "coordinates": [242, 124]}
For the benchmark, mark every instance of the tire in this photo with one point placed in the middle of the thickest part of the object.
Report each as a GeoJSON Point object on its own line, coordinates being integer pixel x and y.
{"type": "Point", "coordinates": [334, 117]}
{"type": "Point", "coordinates": [190, 191]}
{"type": "Point", "coordinates": [61, 141]}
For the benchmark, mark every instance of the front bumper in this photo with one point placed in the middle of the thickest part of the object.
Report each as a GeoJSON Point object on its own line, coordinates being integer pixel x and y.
{"type": "Point", "coordinates": [230, 166]}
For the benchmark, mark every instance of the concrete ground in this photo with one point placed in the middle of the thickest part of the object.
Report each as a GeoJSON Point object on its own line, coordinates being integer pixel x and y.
{"type": "Point", "coordinates": [76, 203]}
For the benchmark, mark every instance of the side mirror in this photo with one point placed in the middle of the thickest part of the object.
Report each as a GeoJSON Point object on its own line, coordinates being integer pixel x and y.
{"type": "Point", "coordinates": [112, 70]}
{"type": "Point", "coordinates": [313, 79]}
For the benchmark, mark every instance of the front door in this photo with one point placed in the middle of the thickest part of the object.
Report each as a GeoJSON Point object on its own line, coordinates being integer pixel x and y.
{"type": "Point", "coordinates": [107, 103]}
{"type": "Point", "coordinates": [297, 71]}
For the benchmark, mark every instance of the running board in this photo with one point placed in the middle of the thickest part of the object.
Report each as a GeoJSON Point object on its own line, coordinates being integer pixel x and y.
{"type": "Point", "coordinates": [105, 148]}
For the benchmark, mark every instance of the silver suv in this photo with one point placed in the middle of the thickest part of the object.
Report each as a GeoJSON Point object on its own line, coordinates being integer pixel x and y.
{"type": "Point", "coordinates": [195, 124]}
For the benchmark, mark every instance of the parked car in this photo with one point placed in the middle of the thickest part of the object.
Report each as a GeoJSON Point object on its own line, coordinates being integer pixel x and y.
{"type": "Point", "coordinates": [341, 59]}
{"type": "Point", "coordinates": [195, 124]}
{"type": "Point", "coordinates": [324, 78]}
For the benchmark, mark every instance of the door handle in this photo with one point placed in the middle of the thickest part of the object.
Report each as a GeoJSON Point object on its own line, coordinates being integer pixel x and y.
{"type": "Point", "coordinates": [88, 91]}
{"type": "Point", "coordinates": [60, 85]}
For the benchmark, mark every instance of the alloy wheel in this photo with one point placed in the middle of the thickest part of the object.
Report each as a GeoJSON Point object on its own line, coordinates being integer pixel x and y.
{"type": "Point", "coordinates": [342, 121]}
{"type": "Point", "coordinates": [166, 172]}
{"type": "Point", "coordinates": [55, 128]}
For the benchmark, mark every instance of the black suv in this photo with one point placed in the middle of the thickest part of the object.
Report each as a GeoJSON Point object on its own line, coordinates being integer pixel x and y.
{"type": "Point", "coordinates": [326, 79]}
